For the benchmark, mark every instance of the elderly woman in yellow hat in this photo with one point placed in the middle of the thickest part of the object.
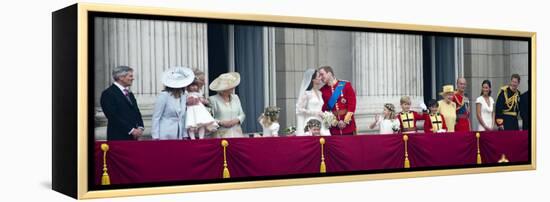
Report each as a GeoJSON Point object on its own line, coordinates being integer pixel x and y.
{"type": "Point", "coordinates": [226, 106]}
{"type": "Point", "coordinates": [447, 107]}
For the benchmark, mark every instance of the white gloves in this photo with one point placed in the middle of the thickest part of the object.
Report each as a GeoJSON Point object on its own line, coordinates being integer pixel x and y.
{"type": "Point", "coordinates": [423, 107]}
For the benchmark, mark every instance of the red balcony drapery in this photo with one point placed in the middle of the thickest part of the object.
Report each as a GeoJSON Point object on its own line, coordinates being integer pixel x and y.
{"type": "Point", "coordinates": [131, 162]}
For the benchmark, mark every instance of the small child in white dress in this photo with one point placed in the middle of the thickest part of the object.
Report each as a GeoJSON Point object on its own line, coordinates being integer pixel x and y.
{"type": "Point", "coordinates": [313, 127]}
{"type": "Point", "coordinates": [269, 120]}
{"type": "Point", "coordinates": [198, 119]}
{"type": "Point", "coordinates": [388, 125]}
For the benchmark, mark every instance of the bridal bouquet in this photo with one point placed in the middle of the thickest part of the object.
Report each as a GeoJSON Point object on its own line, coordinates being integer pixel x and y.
{"type": "Point", "coordinates": [329, 119]}
{"type": "Point", "coordinates": [289, 131]}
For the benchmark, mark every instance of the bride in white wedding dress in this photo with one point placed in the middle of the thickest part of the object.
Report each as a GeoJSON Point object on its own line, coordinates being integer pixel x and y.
{"type": "Point", "coordinates": [310, 103]}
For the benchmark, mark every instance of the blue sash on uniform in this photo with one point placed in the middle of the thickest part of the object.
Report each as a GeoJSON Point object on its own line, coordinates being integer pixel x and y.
{"type": "Point", "coordinates": [337, 92]}
{"type": "Point", "coordinates": [463, 109]}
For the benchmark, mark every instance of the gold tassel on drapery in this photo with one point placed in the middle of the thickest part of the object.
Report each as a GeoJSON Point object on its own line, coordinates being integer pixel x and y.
{"type": "Point", "coordinates": [323, 165]}
{"type": "Point", "coordinates": [105, 180]}
{"type": "Point", "coordinates": [225, 169]}
{"type": "Point", "coordinates": [478, 150]}
{"type": "Point", "coordinates": [407, 162]}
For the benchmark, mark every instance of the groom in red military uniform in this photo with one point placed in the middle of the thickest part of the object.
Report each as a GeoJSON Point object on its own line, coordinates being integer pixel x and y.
{"type": "Point", "coordinates": [339, 98]}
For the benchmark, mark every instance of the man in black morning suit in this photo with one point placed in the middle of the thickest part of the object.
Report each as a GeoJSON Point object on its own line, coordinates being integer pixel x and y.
{"type": "Point", "coordinates": [124, 120]}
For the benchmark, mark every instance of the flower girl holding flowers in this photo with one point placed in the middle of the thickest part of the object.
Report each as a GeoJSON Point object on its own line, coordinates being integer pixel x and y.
{"type": "Point", "coordinates": [389, 124]}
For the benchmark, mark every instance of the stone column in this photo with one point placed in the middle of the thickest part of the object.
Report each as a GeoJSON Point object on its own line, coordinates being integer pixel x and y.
{"type": "Point", "coordinates": [385, 67]}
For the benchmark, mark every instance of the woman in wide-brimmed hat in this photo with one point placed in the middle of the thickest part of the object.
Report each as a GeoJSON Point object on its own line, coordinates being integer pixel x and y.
{"type": "Point", "coordinates": [169, 113]}
{"type": "Point", "coordinates": [226, 106]}
{"type": "Point", "coordinates": [447, 107]}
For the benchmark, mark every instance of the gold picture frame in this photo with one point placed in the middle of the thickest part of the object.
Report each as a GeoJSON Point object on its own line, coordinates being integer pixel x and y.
{"type": "Point", "coordinates": [71, 152]}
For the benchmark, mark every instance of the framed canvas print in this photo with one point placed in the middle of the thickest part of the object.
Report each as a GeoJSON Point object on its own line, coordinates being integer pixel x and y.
{"type": "Point", "coordinates": [157, 100]}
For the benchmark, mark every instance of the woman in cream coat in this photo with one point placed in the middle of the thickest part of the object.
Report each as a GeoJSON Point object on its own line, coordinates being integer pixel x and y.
{"type": "Point", "coordinates": [226, 106]}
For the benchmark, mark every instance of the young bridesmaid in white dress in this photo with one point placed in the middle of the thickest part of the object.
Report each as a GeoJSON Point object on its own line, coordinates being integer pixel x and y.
{"type": "Point", "coordinates": [269, 120]}
{"type": "Point", "coordinates": [198, 119]}
{"type": "Point", "coordinates": [313, 127]}
{"type": "Point", "coordinates": [389, 124]}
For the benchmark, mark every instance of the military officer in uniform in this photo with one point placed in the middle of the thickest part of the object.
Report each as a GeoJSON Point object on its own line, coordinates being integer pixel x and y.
{"type": "Point", "coordinates": [462, 107]}
{"type": "Point", "coordinates": [507, 105]}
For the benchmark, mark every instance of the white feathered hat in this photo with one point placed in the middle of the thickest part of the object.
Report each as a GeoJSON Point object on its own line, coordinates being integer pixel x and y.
{"type": "Point", "coordinates": [178, 77]}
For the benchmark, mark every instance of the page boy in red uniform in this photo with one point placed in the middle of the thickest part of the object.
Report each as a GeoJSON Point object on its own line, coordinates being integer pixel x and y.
{"type": "Point", "coordinates": [434, 122]}
{"type": "Point", "coordinates": [408, 118]}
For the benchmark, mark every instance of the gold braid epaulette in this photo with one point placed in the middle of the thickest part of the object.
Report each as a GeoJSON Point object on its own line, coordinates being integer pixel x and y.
{"type": "Point", "coordinates": [510, 102]}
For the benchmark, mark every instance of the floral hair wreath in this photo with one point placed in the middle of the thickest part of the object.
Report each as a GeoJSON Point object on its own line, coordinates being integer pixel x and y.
{"type": "Point", "coordinates": [271, 111]}
{"type": "Point", "coordinates": [314, 123]}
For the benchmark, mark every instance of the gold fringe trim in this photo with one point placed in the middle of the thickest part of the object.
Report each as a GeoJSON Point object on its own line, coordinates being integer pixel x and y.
{"type": "Point", "coordinates": [503, 159]}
